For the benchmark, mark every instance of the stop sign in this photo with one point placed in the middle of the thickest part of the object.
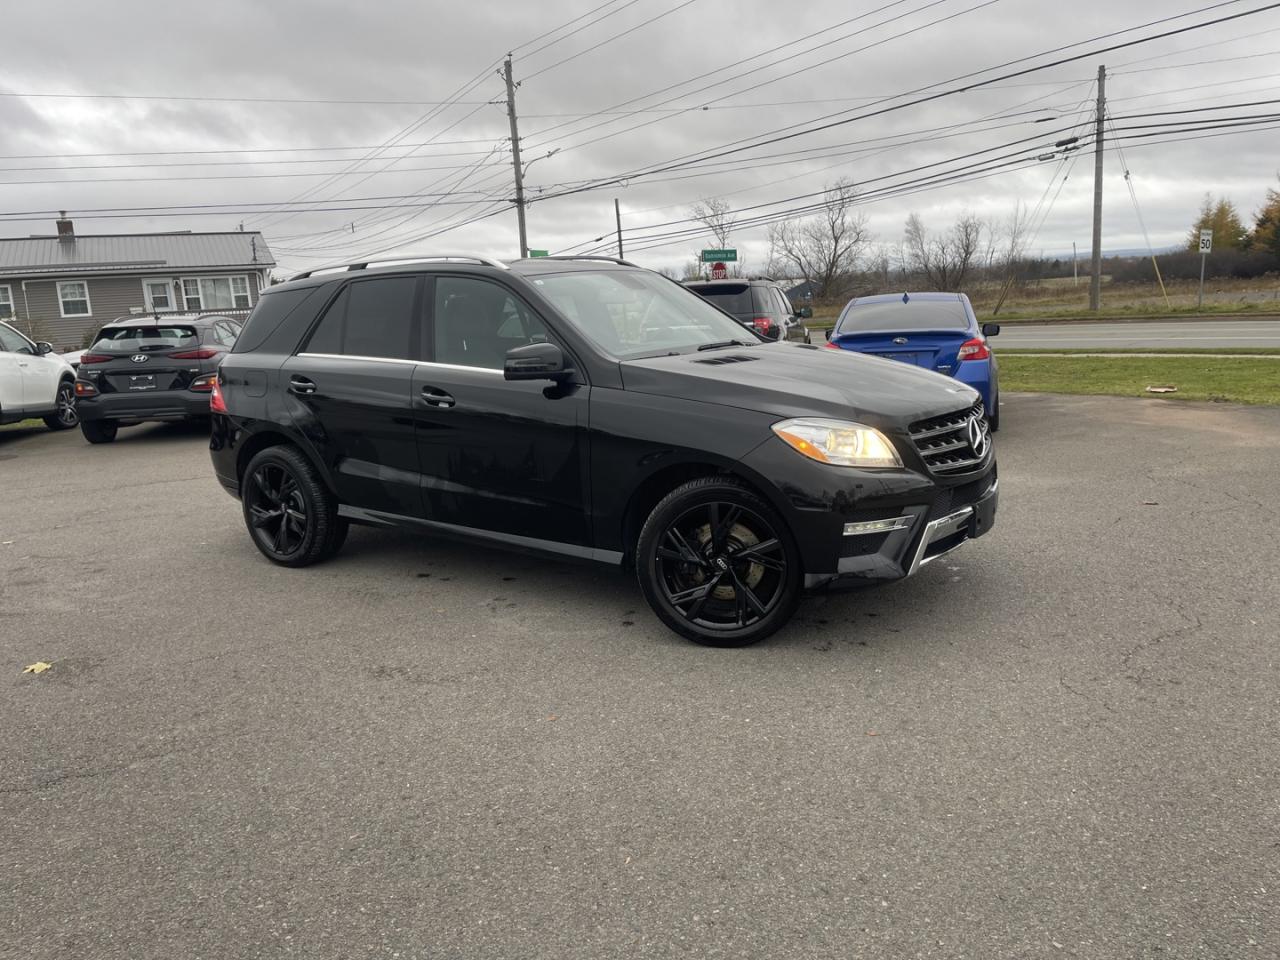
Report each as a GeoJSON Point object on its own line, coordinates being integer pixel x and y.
{"type": "Point", "coordinates": [719, 271]}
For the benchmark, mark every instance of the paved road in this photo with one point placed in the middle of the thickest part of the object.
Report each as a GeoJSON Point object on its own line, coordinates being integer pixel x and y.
{"type": "Point", "coordinates": [1059, 742]}
{"type": "Point", "coordinates": [1204, 334]}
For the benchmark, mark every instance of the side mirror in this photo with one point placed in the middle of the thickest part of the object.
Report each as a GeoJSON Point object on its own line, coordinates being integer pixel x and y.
{"type": "Point", "coordinates": [44, 347]}
{"type": "Point", "coordinates": [990, 329]}
{"type": "Point", "coordinates": [827, 332]}
{"type": "Point", "coordinates": [536, 361]}
{"type": "Point", "coordinates": [806, 313]}
{"type": "Point", "coordinates": [774, 332]}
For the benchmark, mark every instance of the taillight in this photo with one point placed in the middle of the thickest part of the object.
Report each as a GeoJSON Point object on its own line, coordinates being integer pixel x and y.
{"type": "Point", "coordinates": [204, 353]}
{"type": "Point", "coordinates": [762, 324]}
{"type": "Point", "coordinates": [93, 358]}
{"type": "Point", "coordinates": [216, 403]}
{"type": "Point", "coordinates": [832, 344]}
{"type": "Point", "coordinates": [975, 349]}
{"type": "Point", "coordinates": [204, 384]}
{"type": "Point", "coordinates": [85, 389]}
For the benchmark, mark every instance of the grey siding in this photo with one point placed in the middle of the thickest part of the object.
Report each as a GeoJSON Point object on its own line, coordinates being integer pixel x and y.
{"type": "Point", "coordinates": [38, 314]}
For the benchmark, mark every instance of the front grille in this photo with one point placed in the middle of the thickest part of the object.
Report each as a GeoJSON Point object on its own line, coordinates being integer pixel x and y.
{"type": "Point", "coordinates": [944, 442]}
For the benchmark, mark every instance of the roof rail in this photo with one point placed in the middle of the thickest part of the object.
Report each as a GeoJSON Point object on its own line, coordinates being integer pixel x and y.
{"type": "Point", "coordinates": [408, 258]}
{"type": "Point", "coordinates": [572, 256]}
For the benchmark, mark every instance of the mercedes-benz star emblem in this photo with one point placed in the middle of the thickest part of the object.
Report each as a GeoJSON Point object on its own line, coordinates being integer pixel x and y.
{"type": "Point", "coordinates": [139, 358]}
{"type": "Point", "coordinates": [979, 439]}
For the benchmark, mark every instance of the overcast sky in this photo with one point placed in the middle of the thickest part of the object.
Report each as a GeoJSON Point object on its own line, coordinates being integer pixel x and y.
{"type": "Point", "coordinates": [701, 76]}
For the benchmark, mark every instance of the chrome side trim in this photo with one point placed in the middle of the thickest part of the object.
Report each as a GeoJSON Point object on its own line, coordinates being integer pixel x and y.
{"type": "Point", "coordinates": [460, 366]}
{"type": "Point", "coordinates": [351, 356]}
{"type": "Point", "coordinates": [936, 530]}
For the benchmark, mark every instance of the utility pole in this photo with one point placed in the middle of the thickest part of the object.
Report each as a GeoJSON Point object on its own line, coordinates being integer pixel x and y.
{"type": "Point", "coordinates": [515, 156]}
{"type": "Point", "coordinates": [1075, 265]}
{"type": "Point", "coordinates": [617, 213]}
{"type": "Point", "coordinates": [1095, 281]}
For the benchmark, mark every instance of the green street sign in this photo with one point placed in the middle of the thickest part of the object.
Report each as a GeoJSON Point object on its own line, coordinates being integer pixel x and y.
{"type": "Point", "coordinates": [539, 253]}
{"type": "Point", "coordinates": [719, 256]}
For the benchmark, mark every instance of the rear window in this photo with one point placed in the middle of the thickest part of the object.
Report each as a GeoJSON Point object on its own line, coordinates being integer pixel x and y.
{"type": "Point", "coordinates": [896, 315]}
{"type": "Point", "coordinates": [729, 297]}
{"type": "Point", "coordinates": [119, 339]}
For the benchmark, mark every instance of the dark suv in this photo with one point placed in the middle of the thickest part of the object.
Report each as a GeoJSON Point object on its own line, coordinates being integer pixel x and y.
{"type": "Point", "coordinates": [150, 368]}
{"type": "Point", "coordinates": [589, 408]}
{"type": "Point", "coordinates": [760, 304]}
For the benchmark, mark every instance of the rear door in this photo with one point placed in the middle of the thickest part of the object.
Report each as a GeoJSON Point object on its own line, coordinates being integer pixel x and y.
{"type": "Point", "coordinates": [498, 455]}
{"type": "Point", "coordinates": [348, 391]}
{"type": "Point", "coordinates": [11, 370]}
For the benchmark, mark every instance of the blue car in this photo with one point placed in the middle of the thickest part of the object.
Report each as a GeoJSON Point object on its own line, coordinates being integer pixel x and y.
{"type": "Point", "coordinates": [937, 331]}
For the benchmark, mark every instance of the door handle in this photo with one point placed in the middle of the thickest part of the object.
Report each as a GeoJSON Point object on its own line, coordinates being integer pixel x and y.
{"type": "Point", "coordinates": [435, 397]}
{"type": "Point", "coordinates": [301, 385]}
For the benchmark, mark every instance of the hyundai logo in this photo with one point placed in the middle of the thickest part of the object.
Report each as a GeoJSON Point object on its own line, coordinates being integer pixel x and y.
{"type": "Point", "coordinates": [139, 358]}
{"type": "Point", "coordinates": [979, 438]}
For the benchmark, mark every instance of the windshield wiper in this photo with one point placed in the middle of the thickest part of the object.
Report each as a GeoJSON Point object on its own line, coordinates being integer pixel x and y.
{"type": "Point", "coordinates": [723, 343]}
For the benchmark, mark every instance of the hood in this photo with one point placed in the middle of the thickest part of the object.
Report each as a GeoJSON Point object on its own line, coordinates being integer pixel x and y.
{"type": "Point", "coordinates": [799, 380]}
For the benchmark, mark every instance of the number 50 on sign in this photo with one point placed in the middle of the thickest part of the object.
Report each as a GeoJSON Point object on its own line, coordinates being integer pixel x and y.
{"type": "Point", "coordinates": [1206, 241]}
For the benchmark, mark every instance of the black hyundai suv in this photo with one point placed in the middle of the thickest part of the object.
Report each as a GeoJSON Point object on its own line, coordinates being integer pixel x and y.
{"type": "Point", "coordinates": [760, 304]}
{"type": "Point", "coordinates": [589, 408]}
{"type": "Point", "coordinates": [148, 368]}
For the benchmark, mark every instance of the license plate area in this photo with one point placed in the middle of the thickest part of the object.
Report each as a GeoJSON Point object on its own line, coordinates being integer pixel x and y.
{"type": "Point", "coordinates": [912, 358]}
{"type": "Point", "coordinates": [142, 381]}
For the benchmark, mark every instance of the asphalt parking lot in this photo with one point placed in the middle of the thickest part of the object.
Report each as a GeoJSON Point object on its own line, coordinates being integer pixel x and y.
{"type": "Point", "coordinates": [1060, 741]}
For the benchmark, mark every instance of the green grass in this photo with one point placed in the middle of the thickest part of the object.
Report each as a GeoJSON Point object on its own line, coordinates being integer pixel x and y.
{"type": "Point", "coordinates": [1235, 380]}
{"type": "Point", "coordinates": [23, 425]}
{"type": "Point", "coordinates": [1068, 351]}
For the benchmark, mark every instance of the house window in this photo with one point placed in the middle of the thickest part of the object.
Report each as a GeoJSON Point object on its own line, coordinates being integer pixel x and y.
{"type": "Point", "coordinates": [216, 293]}
{"type": "Point", "coordinates": [158, 294]}
{"type": "Point", "coordinates": [73, 298]}
{"type": "Point", "coordinates": [6, 302]}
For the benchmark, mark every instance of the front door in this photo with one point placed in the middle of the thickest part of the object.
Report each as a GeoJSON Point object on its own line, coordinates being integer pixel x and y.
{"type": "Point", "coordinates": [349, 393]}
{"type": "Point", "coordinates": [11, 370]}
{"type": "Point", "coordinates": [504, 456]}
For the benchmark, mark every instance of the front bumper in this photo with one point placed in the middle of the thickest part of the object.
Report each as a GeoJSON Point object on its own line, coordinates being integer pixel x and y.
{"type": "Point", "coordinates": [151, 405]}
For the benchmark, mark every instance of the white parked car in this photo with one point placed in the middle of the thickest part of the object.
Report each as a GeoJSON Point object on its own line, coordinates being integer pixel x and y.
{"type": "Point", "coordinates": [35, 382]}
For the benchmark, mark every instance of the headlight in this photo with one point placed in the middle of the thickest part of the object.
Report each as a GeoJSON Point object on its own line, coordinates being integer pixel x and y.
{"type": "Point", "coordinates": [839, 442]}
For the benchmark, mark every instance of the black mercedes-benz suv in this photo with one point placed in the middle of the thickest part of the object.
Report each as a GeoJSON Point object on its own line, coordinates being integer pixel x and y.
{"type": "Point", "coordinates": [593, 409]}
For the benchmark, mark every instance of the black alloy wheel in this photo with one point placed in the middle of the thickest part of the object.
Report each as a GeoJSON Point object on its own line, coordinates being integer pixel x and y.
{"type": "Point", "coordinates": [65, 416]}
{"type": "Point", "coordinates": [717, 565]}
{"type": "Point", "coordinates": [291, 516]}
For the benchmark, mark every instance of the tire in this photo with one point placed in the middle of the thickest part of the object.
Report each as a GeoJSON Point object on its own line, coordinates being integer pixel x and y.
{"type": "Point", "coordinates": [685, 562]}
{"type": "Point", "coordinates": [66, 417]}
{"type": "Point", "coordinates": [291, 516]}
{"type": "Point", "coordinates": [993, 415]}
{"type": "Point", "coordinates": [99, 431]}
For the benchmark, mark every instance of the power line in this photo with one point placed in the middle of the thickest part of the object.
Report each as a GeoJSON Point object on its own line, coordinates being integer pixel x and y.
{"type": "Point", "coordinates": [616, 36]}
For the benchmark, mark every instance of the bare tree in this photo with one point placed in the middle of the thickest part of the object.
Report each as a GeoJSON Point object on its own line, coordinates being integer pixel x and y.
{"type": "Point", "coordinates": [1012, 253]}
{"type": "Point", "coordinates": [944, 261]}
{"type": "Point", "coordinates": [825, 248]}
{"type": "Point", "coordinates": [716, 215]}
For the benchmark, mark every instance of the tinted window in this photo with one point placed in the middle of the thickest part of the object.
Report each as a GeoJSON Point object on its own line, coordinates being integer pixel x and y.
{"type": "Point", "coordinates": [787, 308]}
{"type": "Point", "coordinates": [370, 318]}
{"type": "Point", "coordinates": [271, 311]}
{"type": "Point", "coordinates": [476, 322]}
{"type": "Point", "coordinates": [129, 339]}
{"type": "Point", "coordinates": [896, 315]}
{"type": "Point", "coordinates": [729, 297]}
{"type": "Point", "coordinates": [224, 333]}
{"type": "Point", "coordinates": [12, 341]}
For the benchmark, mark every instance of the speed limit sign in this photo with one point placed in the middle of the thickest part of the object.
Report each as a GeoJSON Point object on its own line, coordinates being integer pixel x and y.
{"type": "Point", "coordinates": [1206, 241]}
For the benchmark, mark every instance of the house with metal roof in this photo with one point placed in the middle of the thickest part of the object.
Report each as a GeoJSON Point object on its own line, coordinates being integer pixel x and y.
{"type": "Point", "coordinates": [63, 287]}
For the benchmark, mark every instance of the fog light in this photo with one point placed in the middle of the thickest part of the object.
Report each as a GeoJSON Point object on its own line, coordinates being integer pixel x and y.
{"type": "Point", "coordinates": [876, 526]}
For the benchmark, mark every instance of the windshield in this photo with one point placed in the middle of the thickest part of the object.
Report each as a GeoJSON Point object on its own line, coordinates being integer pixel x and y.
{"type": "Point", "coordinates": [634, 313]}
{"type": "Point", "coordinates": [129, 339]}
{"type": "Point", "coordinates": [896, 315]}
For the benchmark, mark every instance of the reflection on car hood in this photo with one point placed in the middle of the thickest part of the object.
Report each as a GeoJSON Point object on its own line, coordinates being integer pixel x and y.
{"type": "Point", "coordinates": [798, 380]}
